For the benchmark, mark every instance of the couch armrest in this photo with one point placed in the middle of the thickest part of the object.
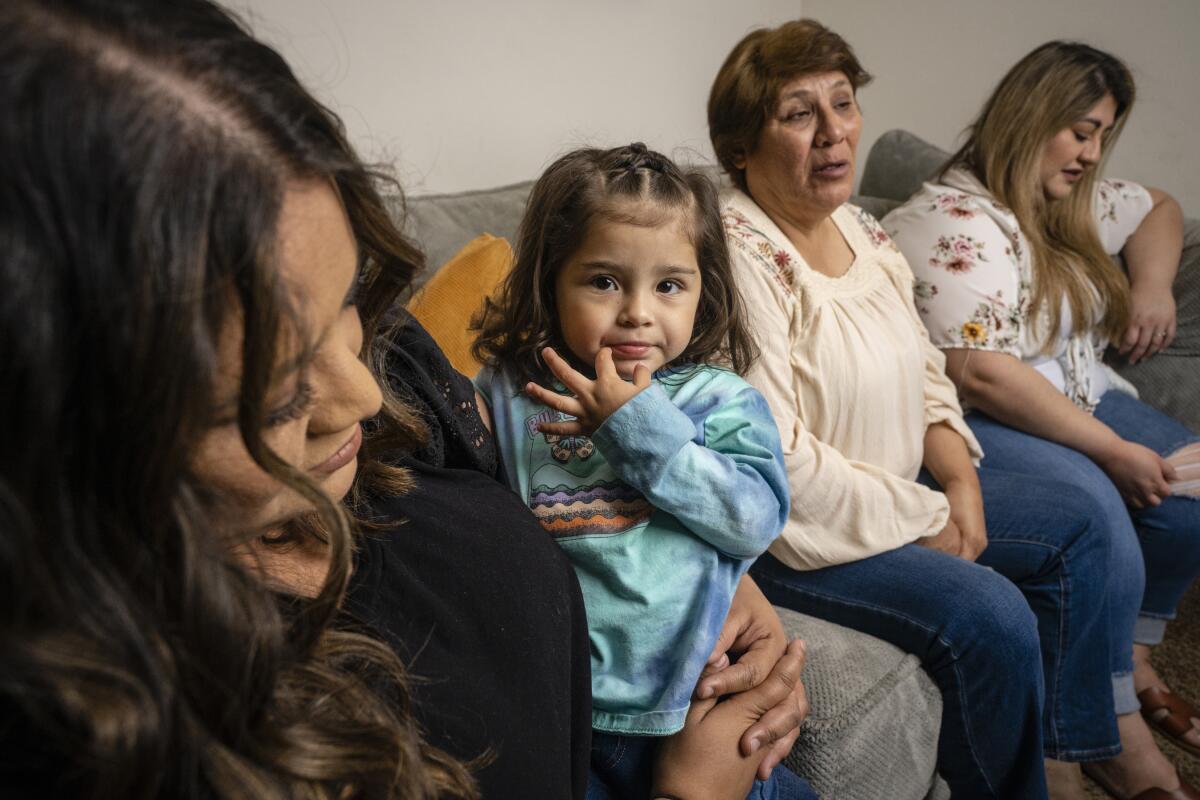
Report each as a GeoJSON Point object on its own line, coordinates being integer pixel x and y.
{"type": "Point", "coordinates": [875, 715]}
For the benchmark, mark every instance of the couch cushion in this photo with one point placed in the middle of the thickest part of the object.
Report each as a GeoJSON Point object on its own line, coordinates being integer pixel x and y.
{"type": "Point", "coordinates": [872, 730]}
{"type": "Point", "coordinates": [445, 304]}
{"type": "Point", "coordinates": [898, 164]}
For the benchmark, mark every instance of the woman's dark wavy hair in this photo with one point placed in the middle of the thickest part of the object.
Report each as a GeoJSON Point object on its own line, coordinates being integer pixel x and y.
{"type": "Point", "coordinates": [628, 184]}
{"type": "Point", "coordinates": [146, 150]}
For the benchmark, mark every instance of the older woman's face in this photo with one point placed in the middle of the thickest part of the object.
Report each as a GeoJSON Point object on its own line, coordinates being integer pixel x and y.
{"type": "Point", "coordinates": [315, 409]}
{"type": "Point", "coordinates": [803, 165]}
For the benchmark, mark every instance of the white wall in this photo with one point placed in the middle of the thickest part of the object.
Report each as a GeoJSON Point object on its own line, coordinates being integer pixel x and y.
{"type": "Point", "coordinates": [465, 94]}
{"type": "Point", "coordinates": [936, 60]}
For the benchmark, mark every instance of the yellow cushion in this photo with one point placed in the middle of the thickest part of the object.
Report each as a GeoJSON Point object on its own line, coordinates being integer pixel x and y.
{"type": "Point", "coordinates": [445, 304]}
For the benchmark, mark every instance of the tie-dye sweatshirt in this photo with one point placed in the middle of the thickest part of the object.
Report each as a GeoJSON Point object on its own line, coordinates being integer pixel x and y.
{"type": "Point", "coordinates": [661, 511]}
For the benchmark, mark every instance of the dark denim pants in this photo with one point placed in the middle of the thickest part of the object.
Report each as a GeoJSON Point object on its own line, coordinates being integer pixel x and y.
{"type": "Point", "coordinates": [623, 767]}
{"type": "Point", "coordinates": [1026, 624]}
{"type": "Point", "coordinates": [1154, 552]}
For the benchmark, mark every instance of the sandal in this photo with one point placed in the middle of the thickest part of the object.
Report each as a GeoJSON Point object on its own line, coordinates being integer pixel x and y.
{"type": "Point", "coordinates": [1185, 791]}
{"type": "Point", "coordinates": [1170, 715]}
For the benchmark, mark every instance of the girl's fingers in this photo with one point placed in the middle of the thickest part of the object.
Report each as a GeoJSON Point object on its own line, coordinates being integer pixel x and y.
{"type": "Point", "coordinates": [559, 402]}
{"type": "Point", "coordinates": [641, 376]}
{"type": "Point", "coordinates": [605, 367]}
{"type": "Point", "coordinates": [569, 427]}
{"type": "Point", "coordinates": [570, 378]}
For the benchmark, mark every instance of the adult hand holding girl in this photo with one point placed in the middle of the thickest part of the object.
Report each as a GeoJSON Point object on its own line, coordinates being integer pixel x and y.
{"type": "Point", "coordinates": [753, 651]}
{"type": "Point", "coordinates": [696, 762]}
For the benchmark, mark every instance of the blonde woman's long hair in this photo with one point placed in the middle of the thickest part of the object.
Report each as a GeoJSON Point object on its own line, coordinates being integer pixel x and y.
{"type": "Point", "coordinates": [1050, 89]}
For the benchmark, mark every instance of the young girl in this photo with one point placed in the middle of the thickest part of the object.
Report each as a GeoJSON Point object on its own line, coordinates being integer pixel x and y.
{"type": "Point", "coordinates": [658, 472]}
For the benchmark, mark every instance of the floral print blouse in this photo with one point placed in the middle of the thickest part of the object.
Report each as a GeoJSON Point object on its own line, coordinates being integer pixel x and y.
{"type": "Point", "coordinates": [973, 277]}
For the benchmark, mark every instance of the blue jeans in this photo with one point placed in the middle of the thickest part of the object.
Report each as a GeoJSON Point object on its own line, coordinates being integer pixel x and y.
{"type": "Point", "coordinates": [1155, 551]}
{"type": "Point", "coordinates": [1027, 619]}
{"type": "Point", "coordinates": [623, 767]}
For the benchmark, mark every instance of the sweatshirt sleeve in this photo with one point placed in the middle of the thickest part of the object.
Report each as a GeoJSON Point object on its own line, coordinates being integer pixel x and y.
{"type": "Point", "coordinates": [722, 477]}
{"type": "Point", "coordinates": [842, 510]}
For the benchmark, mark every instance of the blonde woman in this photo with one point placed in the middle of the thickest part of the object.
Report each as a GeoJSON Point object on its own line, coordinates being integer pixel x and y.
{"type": "Point", "coordinates": [1011, 247]}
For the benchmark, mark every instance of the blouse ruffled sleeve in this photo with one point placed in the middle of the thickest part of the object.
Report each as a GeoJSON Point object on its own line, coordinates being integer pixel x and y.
{"type": "Point", "coordinates": [966, 272]}
{"type": "Point", "coordinates": [842, 510]}
{"type": "Point", "coordinates": [1120, 208]}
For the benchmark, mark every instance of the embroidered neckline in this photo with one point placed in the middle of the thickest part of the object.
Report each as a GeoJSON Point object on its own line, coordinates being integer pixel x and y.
{"type": "Point", "coordinates": [751, 231]}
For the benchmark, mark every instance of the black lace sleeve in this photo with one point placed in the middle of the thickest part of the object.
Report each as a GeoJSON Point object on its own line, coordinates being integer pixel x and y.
{"type": "Point", "coordinates": [419, 372]}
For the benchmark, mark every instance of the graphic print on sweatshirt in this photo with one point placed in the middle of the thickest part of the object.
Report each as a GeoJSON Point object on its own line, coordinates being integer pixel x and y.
{"type": "Point", "coordinates": [572, 490]}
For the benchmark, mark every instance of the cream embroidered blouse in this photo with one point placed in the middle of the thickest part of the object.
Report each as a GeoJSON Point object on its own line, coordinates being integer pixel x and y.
{"type": "Point", "coordinates": [974, 278]}
{"type": "Point", "coordinates": [853, 382]}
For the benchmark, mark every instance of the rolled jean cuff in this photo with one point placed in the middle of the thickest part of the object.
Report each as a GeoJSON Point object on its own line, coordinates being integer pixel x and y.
{"type": "Point", "coordinates": [1149, 630]}
{"type": "Point", "coordinates": [1125, 699]}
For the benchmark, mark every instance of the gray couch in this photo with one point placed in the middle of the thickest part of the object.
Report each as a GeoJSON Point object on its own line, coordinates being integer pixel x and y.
{"type": "Point", "coordinates": [872, 732]}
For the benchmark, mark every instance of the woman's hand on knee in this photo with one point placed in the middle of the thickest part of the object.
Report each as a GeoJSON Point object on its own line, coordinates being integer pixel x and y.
{"type": "Point", "coordinates": [724, 745]}
{"type": "Point", "coordinates": [948, 540]}
{"type": "Point", "coordinates": [966, 511]}
{"type": "Point", "coordinates": [1141, 475]}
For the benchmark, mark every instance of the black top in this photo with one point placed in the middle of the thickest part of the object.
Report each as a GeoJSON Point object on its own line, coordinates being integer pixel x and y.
{"type": "Point", "coordinates": [475, 598]}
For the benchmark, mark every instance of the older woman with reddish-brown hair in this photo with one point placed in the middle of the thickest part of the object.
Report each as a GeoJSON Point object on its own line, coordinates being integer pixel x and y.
{"type": "Point", "coordinates": [996, 582]}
